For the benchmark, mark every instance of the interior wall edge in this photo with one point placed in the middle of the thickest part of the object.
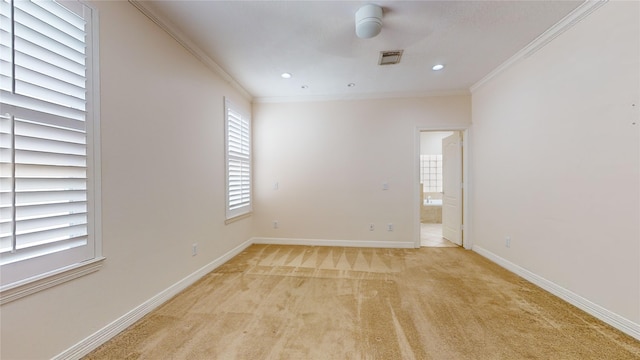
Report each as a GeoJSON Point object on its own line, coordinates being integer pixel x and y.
{"type": "Point", "coordinates": [617, 321]}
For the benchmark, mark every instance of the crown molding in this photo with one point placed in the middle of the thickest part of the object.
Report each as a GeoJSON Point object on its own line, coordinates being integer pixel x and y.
{"type": "Point", "coordinates": [189, 45]}
{"type": "Point", "coordinates": [577, 15]}
{"type": "Point", "coordinates": [361, 96]}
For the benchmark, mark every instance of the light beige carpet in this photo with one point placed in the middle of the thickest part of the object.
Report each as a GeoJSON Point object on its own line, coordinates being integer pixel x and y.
{"type": "Point", "coordinates": [298, 302]}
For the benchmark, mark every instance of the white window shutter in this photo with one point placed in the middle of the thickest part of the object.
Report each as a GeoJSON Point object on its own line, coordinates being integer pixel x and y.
{"type": "Point", "coordinates": [238, 159]}
{"type": "Point", "coordinates": [44, 141]}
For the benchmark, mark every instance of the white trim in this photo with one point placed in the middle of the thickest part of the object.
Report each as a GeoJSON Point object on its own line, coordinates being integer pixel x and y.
{"type": "Point", "coordinates": [41, 282]}
{"type": "Point", "coordinates": [189, 45]}
{"type": "Point", "coordinates": [359, 96]}
{"type": "Point", "coordinates": [96, 142]}
{"type": "Point", "coordinates": [173, 31]}
{"type": "Point", "coordinates": [467, 239]}
{"type": "Point", "coordinates": [621, 323]}
{"type": "Point", "coordinates": [344, 243]}
{"type": "Point", "coordinates": [101, 336]}
{"type": "Point", "coordinates": [574, 17]}
{"type": "Point", "coordinates": [57, 276]}
{"type": "Point", "coordinates": [417, 207]}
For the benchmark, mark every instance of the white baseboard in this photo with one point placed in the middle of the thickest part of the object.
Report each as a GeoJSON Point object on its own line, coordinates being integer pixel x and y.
{"type": "Point", "coordinates": [101, 336]}
{"type": "Point", "coordinates": [621, 323]}
{"type": "Point", "coordinates": [98, 338]}
{"type": "Point", "coordinates": [345, 243]}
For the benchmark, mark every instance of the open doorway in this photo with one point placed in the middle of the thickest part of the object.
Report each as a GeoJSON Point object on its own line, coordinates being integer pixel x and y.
{"type": "Point", "coordinates": [440, 188]}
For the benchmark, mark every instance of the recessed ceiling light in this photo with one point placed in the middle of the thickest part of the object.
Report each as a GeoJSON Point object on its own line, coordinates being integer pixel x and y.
{"type": "Point", "coordinates": [351, 84]}
{"type": "Point", "coordinates": [286, 75]}
{"type": "Point", "coordinates": [437, 67]}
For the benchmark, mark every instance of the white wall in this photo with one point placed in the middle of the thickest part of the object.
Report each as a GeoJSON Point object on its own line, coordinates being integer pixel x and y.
{"type": "Point", "coordinates": [163, 189]}
{"type": "Point", "coordinates": [330, 160]}
{"type": "Point", "coordinates": [431, 142]}
{"type": "Point", "coordinates": [556, 161]}
{"type": "Point", "coordinates": [555, 165]}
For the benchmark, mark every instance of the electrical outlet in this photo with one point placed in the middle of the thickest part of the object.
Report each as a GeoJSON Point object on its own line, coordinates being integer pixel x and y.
{"type": "Point", "coordinates": [371, 227]}
{"type": "Point", "coordinates": [275, 224]}
{"type": "Point", "coordinates": [389, 227]}
{"type": "Point", "coordinates": [194, 249]}
{"type": "Point", "coordinates": [507, 241]}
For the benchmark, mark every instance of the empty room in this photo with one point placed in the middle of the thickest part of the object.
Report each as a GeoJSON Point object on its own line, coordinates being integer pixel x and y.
{"type": "Point", "coordinates": [251, 180]}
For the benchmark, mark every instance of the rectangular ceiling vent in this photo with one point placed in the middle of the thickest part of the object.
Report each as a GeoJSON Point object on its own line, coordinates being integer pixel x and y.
{"type": "Point", "coordinates": [390, 57]}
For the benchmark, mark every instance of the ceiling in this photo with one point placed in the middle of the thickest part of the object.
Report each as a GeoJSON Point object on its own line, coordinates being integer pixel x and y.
{"type": "Point", "coordinates": [256, 41]}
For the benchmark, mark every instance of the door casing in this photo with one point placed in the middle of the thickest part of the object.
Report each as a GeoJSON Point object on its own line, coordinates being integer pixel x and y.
{"type": "Point", "coordinates": [467, 241]}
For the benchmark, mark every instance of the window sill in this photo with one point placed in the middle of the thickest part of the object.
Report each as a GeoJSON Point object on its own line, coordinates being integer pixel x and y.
{"type": "Point", "coordinates": [15, 291]}
{"type": "Point", "coordinates": [237, 218]}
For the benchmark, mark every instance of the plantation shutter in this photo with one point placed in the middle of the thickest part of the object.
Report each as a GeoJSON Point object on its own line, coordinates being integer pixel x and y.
{"type": "Point", "coordinates": [238, 143]}
{"type": "Point", "coordinates": [43, 133]}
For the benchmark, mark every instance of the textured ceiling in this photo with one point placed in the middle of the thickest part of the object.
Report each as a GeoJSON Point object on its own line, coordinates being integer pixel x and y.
{"type": "Point", "coordinates": [315, 41]}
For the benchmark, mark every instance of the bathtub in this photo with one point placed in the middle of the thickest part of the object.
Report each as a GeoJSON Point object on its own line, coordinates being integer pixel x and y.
{"type": "Point", "coordinates": [433, 202]}
{"type": "Point", "coordinates": [431, 211]}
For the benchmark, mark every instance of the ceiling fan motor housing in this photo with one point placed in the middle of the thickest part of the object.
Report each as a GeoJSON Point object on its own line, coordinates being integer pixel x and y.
{"type": "Point", "coordinates": [368, 21]}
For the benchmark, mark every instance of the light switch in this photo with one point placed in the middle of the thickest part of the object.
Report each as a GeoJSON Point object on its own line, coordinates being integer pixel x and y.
{"type": "Point", "coordinates": [385, 186]}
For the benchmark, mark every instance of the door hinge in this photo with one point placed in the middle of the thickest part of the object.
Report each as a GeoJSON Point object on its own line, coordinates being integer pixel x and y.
{"type": "Point", "coordinates": [462, 185]}
{"type": "Point", "coordinates": [461, 227]}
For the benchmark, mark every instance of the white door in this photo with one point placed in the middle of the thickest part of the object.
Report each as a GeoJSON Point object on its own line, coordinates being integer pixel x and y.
{"type": "Point", "coordinates": [452, 188]}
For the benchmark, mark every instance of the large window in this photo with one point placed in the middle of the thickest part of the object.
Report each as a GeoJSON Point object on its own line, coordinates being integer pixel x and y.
{"type": "Point", "coordinates": [238, 160]}
{"type": "Point", "coordinates": [49, 170]}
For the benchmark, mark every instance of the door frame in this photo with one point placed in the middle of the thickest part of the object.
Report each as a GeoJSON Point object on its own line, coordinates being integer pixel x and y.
{"type": "Point", "coordinates": [467, 241]}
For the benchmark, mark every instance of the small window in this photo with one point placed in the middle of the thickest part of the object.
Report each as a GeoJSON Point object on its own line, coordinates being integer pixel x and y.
{"type": "Point", "coordinates": [431, 173]}
{"type": "Point", "coordinates": [49, 170]}
{"type": "Point", "coordinates": [238, 161]}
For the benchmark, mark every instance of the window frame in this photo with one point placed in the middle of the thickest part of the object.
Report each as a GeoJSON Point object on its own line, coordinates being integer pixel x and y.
{"type": "Point", "coordinates": [42, 274]}
{"type": "Point", "coordinates": [236, 213]}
